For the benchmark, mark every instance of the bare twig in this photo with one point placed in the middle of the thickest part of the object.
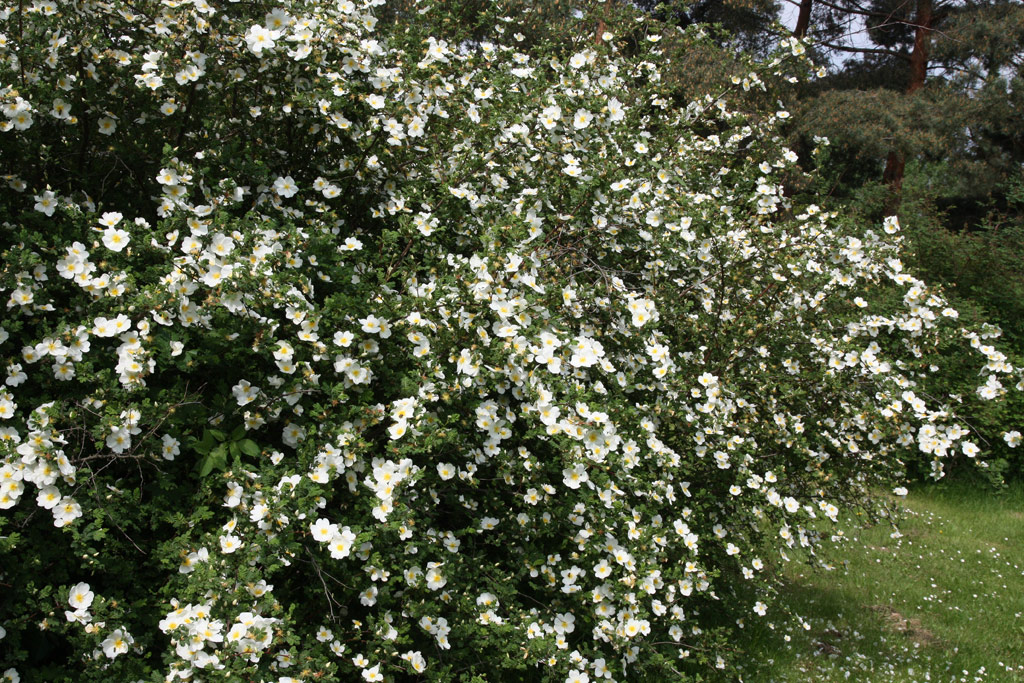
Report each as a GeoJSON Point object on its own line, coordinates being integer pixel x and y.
{"type": "Point", "coordinates": [327, 593]}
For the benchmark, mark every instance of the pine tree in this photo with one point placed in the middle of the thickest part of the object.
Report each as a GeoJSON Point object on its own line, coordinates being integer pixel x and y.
{"type": "Point", "coordinates": [930, 82]}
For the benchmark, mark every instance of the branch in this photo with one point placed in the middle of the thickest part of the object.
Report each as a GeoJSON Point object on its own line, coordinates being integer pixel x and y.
{"type": "Point", "coordinates": [864, 12]}
{"type": "Point", "coordinates": [865, 50]}
{"type": "Point", "coordinates": [327, 592]}
{"type": "Point", "coordinates": [888, 18]}
{"type": "Point", "coordinates": [394, 264]}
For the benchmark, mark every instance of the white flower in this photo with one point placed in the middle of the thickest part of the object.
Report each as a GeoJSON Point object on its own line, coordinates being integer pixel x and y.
{"type": "Point", "coordinates": [284, 351]}
{"type": "Point", "coordinates": [340, 544]}
{"type": "Point", "coordinates": [398, 430]}
{"type": "Point", "coordinates": [110, 219]}
{"type": "Point", "coordinates": [575, 476]}
{"type": "Point", "coordinates": [244, 392]}
{"type": "Point", "coordinates": [323, 530]}
{"type": "Point", "coordinates": [168, 176]}
{"type": "Point", "coordinates": [80, 597]}
{"type": "Point", "coordinates": [258, 38]}
{"type": "Point", "coordinates": [119, 440]}
{"type": "Point", "coordinates": [285, 186]}
{"type": "Point", "coordinates": [46, 203]}
{"type": "Point", "coordinates": [582, 119]}
{"type": "Point", "coordinates": [416, 127]}
{"type": "Point", "coordinates": [48, 498]}
{"type": "Point", "coordinates": [117, 643]}
{"type": "Point", "coordinates": [417, 662]}
{"type": "Point", "coordinates": [115, 239]}
{"type": "Point", "coordinates": [371, 324]}
{"type": "Point", "coordinates": [369, 596]}
{"type": "Point", "coordinates": [707, 379]}
{"type": "Point", "coordinates": [230, 543]}
{"type": "Point", "coordinates": [615, 110]}
{"type": "Point", "coordinates": [216, 274]}
{"type": "Point", "coordinates": [293, 434]}
{"type": "Point", "coordinates": [550, 116]}
{"type": "Point", "coordinates": [189, 564]}
{"type": "Point", "coordinates": [435, 579]}
{"type": "Point", "coordinates": [67, 511]}
{"type": "Point", "coordinates": [170, 447]}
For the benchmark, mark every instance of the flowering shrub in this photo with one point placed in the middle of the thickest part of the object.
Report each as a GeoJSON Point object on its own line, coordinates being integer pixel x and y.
{"type": "Point", "coordinates": [335, 351]}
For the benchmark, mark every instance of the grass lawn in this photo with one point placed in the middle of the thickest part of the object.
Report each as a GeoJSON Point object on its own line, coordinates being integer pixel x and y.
{"type": "Point", "coordinates": [942, 602]}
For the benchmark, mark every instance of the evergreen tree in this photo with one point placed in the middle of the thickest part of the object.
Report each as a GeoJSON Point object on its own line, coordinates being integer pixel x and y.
{"type": "Point", "coordinates": [933, 82]}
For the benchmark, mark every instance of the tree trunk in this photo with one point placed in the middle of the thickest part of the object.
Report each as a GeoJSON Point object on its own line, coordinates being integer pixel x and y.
{"type": "Point", "coordinates": [896, 163]}
{"type": "Point", "coordinates": [601, 26]}
{"type": "Point", "coordinates": [803, 20]}
{"type": "Point", "coordinates": [893, 175]}
{"type": "Point", "coordinates": [922, 43]}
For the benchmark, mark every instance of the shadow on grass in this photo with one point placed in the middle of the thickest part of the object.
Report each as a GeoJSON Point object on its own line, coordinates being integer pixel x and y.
{"type": "Point", "coordinates": [847, 637]}
{"type": "Point", "coordinates": [939, 602]}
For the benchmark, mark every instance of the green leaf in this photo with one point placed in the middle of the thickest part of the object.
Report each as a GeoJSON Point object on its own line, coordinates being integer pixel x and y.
{"type": "Point", "coordinates": [249, 447]}
{"type": "Point", "coordinates": [203, 446]}
{"type": "Point", "coordinates": [206, 467]}
{"type": "Point", "coordinates": [216, 460]}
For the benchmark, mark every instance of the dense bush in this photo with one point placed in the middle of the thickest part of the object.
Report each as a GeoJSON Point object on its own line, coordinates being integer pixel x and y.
{"type": "Point", "coordinates": [980, 273]}
{"type": "Point", "coordinates": [336, 350]}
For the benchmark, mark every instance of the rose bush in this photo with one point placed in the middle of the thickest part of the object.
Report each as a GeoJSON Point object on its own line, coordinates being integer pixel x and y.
{"type": "Point", "coordinates": [335, 350]}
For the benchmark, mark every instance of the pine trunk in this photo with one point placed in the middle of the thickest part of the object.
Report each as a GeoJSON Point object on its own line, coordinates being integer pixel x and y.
{"type": "Point", "coordinates": [896, 163]}
{"type": "Point", "coordinates": [803, 20]}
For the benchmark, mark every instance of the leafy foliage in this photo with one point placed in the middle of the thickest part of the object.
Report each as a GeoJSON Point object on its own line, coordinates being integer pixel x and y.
{"type": "Point", "coordinates": [338, 349]}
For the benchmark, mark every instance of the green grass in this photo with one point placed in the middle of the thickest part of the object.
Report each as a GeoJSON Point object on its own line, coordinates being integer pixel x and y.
{"type": "Point", "coordinates": [942, 602]}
